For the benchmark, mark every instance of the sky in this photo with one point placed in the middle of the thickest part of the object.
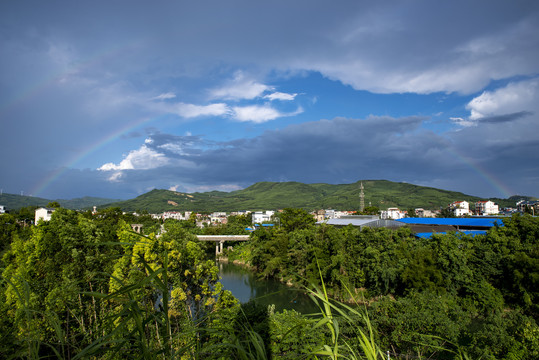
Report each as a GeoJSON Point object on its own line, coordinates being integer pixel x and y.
{"type": "Point", "coordinates": [116, 98]}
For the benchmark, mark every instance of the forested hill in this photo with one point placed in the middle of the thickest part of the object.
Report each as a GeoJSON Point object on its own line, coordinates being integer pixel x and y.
{"type": "Point", "coordinates": [13, 202]}
{"type": "Point", "coordinates": [278, 195]}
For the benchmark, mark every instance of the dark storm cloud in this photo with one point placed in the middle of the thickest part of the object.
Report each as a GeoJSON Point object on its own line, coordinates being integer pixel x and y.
{"type": "Point", "coordinates": [506, 117]}
{"type": "Point", "coordinates": [327, 150]}
{"type": "Point", "coordinates": [346, 150]}
{"type": "Point", "coordinates": [72, 73]}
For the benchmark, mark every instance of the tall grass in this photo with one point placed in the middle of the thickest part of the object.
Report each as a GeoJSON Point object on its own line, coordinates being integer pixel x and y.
{"type": "Point", "coordinates": [362, 343]}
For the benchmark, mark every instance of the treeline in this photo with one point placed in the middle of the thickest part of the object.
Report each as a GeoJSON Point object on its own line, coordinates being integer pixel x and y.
{"type": "Point", "coordinates": [86, 285]}
{"type": "Point", "coordinates": [480, 293]}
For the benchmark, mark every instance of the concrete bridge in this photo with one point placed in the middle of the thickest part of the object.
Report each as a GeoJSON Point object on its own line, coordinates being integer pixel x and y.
{"type": "Point", "coordinates": [220, 240]}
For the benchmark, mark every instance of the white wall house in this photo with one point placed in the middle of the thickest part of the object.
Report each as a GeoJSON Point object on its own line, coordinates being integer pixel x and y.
{"type": "Point", "coordinates": [218, 217]}
{"type": "Point", "coordinates": [43, 213]}
{"type": "Point", "coordinates": [460, 208]}
{"type": "Point", "coordinates": [420, 212]}
{"type": "Point", "coordinates": [392, 213]}
{"type": "Point", "coordinates": [2, 209]}
{"type": "Point", "coordinates": [260, 216]}
{"type": "Point", "coordinates": [486, 208]}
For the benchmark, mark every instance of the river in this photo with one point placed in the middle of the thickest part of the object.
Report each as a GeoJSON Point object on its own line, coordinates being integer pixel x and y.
{"type": "Point", "coordinates": [245, 286]}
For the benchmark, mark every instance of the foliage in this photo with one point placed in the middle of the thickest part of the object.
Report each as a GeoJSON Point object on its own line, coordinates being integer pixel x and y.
{"type": "Point", "coordinates": [278, 195]}
{"type": "Point", "coordinates": [449, 286]}
{"type": "Point", "coordinates": [85, 285]}
{"type": "Point", "coordinates": [15, 202]}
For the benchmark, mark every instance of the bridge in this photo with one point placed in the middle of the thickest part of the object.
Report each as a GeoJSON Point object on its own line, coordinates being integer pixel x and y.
{"type": "Point", "coordinates": [220, 240]}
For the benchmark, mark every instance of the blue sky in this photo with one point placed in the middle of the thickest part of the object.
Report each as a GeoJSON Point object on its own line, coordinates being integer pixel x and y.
{"type": "Point", "coordinates": [117, 98]}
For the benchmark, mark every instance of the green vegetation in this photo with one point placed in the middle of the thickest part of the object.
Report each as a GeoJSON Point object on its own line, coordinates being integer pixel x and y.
{"type": "Point", "coordinates": [480, 293]}
{"type": "Point", "coordinates": [15, 202]}
{"type": "Point", "coordinates": [380, 194]}
{"type": "Point", "coordinates": [271, 195]}
{"type": "Point", "coordinates": [85, 286]}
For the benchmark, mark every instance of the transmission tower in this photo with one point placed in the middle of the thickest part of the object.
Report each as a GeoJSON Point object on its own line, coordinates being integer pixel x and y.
{"type": "Point", "coordinates": [361, 199]}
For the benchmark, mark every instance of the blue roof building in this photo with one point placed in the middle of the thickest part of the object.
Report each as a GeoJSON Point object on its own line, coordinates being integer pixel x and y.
{"type": "Point", "coordinates": [425, 227]}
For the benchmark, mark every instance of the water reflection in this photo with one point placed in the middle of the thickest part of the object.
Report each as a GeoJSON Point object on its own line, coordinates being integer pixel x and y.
{"type": "Point", "coordinates": [245, 286]}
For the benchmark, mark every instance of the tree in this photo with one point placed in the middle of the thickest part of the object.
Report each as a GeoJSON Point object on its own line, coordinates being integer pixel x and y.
{"type": "Point", "coordinates": [370, 210]}
{"type": "Point", "coordinates": [292, 219]}
{"type": "Point", "coordinates": [54, 204]}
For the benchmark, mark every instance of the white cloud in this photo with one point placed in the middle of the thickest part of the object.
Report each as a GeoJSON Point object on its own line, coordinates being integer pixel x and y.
{"type": "Point", "coordinates": [141, 159]}
{"type": "Point", "coordinates": [164, 96]}
{"type": "Point", "coordinates": [462, 121]}
{"type": "Point", "coordinates": [515, 97]}
{"type": "Point", "coordinates": [259, 113]}
{"type": "Point", "coordinates": [255, 113]}
{"type": "Point", "coordinates": [280, 96]}
{"type": "Point", "coordinates": [239, 88]}
{"type": "Point", "coordinates": [191, 110]}
{"type": "Point", "coordinates": [115, 177]}
{"type": "Point", "coordinates": [174, 148]}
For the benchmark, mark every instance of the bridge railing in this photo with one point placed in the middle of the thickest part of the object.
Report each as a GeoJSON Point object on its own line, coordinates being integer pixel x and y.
{"type": "Point", "coordinates": [221, 238]}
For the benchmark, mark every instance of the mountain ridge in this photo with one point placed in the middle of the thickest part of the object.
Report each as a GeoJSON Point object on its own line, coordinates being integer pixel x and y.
{"type": "Point", "coordinates": [277, 195]}
{"type": "Point", "coordinates": [268, 195]}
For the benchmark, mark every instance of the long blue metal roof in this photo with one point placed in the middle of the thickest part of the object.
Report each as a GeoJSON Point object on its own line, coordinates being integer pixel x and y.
{"type": "Point", "coordinates": [466, 232]}
{"type": "Point", "coordinates": [479, 222]}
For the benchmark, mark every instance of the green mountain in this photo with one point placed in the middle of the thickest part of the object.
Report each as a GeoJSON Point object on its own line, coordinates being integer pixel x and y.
{"type": "Point", "coordinates": [13, 202]}
{"type": "Point", "coordinates": [277, 195]}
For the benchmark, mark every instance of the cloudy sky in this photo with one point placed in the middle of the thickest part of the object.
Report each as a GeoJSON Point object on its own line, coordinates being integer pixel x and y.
{"type": "Point", "coordinates": [115, 98]}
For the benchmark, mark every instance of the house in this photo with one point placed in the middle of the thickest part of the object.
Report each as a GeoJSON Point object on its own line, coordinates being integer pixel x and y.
{"type": "Point", "coordinates": [319, 215]}
{"type": "Point", "coordinates": [460, 208]}
{"type": "Point", "coordinates": [420, 212]}
{"type": "Point", "coordinates": [392, 213]}
{"type": "Point", "coordinates": [218, 218]}
{"type": "Point", "coordinates": [2, 209]}
{"type": "Point", "coordinates": [531, 205]}
{"type": "Point", "coordinates": [260, 216]}
{"type": "Point", "coordinates": [44, 214]}
{"type": "Point", "coordinates": [486, 208]}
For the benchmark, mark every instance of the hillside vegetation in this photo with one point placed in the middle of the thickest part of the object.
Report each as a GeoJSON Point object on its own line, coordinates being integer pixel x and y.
{"type": "Point", "coordinates": [277, 195]}
{"type": "Point", "coordinates": [13, 202]}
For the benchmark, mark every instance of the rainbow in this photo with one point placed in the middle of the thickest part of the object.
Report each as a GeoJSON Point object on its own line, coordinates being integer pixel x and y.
{"type": "Point", "coordinates": [39, 87]}
{"type": "Point", "coordinates": [54, 175]}
{"type": "Point", "coordinates": [483, 173]}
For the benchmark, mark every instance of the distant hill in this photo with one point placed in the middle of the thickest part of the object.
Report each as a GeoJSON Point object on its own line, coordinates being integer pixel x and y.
{"type": "Point", "coordinates": [278, 195]}
{"type": "Point", "coordinates": [13, 202]}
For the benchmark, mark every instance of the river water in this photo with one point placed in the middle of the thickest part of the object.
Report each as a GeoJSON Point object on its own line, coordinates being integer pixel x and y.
{"type": "Point", "coordinates": [245, 286]}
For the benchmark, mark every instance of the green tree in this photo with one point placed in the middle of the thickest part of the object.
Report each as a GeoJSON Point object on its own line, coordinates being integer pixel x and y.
{"type": "Point", "coordinates": [54, 204]}
{"type": "Point", "coordinates": [292, 219]}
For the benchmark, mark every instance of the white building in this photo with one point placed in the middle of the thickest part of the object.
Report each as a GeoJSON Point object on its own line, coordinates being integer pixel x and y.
{"type": "Point", "coordinates": [460, 208]}
{"type": "Point", "coordinates": [2, 209]}
{"type": "Point", "coordinates": [176, 215]}
{"type": "Point", "coordinates": [43, 214]}
{"type": "Point", "coordinates": [420, 212]}
{"type": "Point", "coordinates": [329, 214]}
{"type": "Point", "coordinates": [260, 216]}
{"type": "Point", "coordinates": [218, 217]}
{"type": "Point", "coordinates": [392, 213]}
{"type": "Point", "coordinates": [486, 208]}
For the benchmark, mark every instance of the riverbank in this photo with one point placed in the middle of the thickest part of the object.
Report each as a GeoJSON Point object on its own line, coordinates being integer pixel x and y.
{"type": "Point", "coordinates": [246, 286]}
{"type": "Point", "coordinates": [357, 299]}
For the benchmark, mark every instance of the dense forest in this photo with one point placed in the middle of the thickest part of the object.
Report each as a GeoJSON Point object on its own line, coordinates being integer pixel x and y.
{"type": "Point", "coordinates": [86, 285]}
{"type": "Point", "coordinates": [478, 293]}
